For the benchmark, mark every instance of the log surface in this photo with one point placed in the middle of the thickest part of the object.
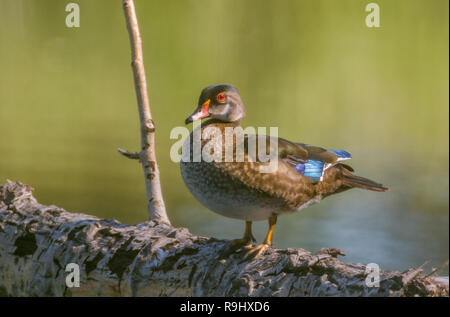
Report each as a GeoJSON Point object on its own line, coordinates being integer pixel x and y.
{"type": "Point", "coordinates": [155, 259]}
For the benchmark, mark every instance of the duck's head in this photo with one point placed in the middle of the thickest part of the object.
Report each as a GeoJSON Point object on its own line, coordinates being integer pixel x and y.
{"type": "Point", "coordinates": [221, 102]}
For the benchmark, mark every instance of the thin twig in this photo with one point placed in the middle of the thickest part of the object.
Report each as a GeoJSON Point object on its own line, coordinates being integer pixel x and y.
{"type": "Point", "coordinates": [410, 276]}
{"type": "Point", "coordinates": [437, 269]}
{"type": "Point", "coordinates": [147, 156]}
{"type": "Point", "coordinates": [133, 156]}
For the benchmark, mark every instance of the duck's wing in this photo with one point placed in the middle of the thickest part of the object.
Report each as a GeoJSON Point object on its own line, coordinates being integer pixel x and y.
{"type": "Point", "coordinates": [318, 153]}
{"type": "Point", "coordinates": [319, 160]}
{"type": "Point", "coordinates": [292, 150]}
{"type": "Point", "coordinates": [298, 167]}
{"type": "Point", "coordinates": [295, 153]}
{"type": "Point", "coordinates": [302, 171]}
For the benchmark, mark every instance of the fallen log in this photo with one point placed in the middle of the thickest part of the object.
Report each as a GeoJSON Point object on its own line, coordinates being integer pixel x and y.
{"type": "Point", "coordinates": [37, 243]}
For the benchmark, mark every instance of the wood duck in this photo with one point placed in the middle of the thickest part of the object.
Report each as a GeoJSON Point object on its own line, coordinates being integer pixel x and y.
{"type": "Point", "coordinates": [305, 174]}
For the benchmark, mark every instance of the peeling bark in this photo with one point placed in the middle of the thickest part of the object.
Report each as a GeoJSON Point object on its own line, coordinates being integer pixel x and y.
{"type": "Point", "coordinates": [155, 259]}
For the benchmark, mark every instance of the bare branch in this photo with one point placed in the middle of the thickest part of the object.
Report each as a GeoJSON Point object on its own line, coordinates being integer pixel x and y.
{"type": "Point", "coordinates": [156, 207]}
{"type": "Point", "coordinates": [133, 156]}
{"type": "Point", "coordinates": [438, 269]}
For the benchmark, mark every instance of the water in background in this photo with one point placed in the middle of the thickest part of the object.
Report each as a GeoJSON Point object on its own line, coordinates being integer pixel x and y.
{"type": "Point", "coordinates": [312, 68]}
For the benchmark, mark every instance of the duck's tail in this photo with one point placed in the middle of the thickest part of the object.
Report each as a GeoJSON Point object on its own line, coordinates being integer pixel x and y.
{"type": "Point", "coordinates": [354, 181]}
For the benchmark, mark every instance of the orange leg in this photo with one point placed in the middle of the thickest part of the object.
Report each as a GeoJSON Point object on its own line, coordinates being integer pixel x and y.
{"type": "Point", "coordinates": [272, 223]}
{"type": "Point", "coordinates": [248, 232]}
{"type": "Point", "coordinates": [259, 249]}
{"type": "Point", "coordinates": [237, 244]}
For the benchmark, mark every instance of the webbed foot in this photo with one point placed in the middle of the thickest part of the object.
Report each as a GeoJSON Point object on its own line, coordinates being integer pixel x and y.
{"type": "Point", "coordinates": [236, 245]}
{"type": "Point", "coordinates": [256, 251]}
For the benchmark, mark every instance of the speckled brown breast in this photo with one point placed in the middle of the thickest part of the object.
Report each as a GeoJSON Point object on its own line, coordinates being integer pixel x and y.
{"type": "Point", "coordinates": [239, 190]}
{"type": "Point", "coordinates": [227, 196]}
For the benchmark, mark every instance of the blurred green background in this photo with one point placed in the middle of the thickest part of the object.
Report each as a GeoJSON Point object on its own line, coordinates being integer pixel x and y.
{"type": "Point", "coordinates": [311, 68]}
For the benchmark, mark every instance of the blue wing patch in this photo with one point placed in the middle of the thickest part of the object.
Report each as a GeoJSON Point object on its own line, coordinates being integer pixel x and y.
{"type": "Point", "coordinates": [314, 169]}
{"type": "Point", "coordinates": [311, 169]}
{"type": "Point", "coordinates": [342, 155]}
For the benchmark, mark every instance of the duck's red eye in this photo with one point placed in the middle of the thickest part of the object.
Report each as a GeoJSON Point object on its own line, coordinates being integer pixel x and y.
{"type": "Point", "coordinates": [221, 97]}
